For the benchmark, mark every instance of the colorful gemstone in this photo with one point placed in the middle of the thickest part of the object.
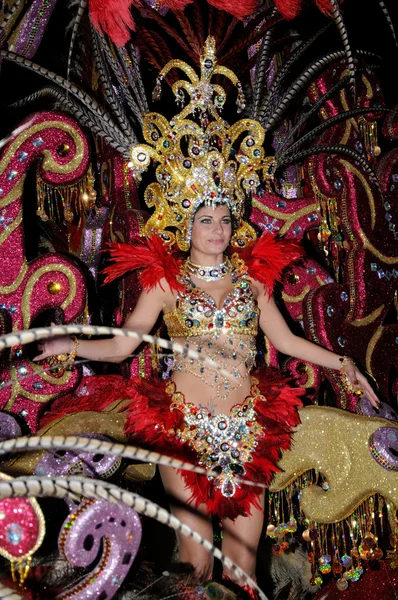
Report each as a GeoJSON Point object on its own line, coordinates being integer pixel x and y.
{"type": "Point", "coordinates": [228, 488]}
{"type": "Point", "coordinates": [14, 533]}
{"type": "Point", "coordinates": [23, 157]}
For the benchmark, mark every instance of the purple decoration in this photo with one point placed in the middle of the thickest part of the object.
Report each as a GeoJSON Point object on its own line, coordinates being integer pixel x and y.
{"type": "Point", "coordinates": [385, 411]}
{"type": "Point", "coordinates": [93, 238]}
{"type": "Point", "coordinates": [163, 10]}
{"type": "Point", "coordinates": [119, 527]}
{"type": "Point", "coordinates": [383, 446]}
{"type": "Point", "coordinates": [67, 462]}
{"type": "Point", "coordinates": [9, 427]}
{"type": "Point", "coordinates": [33, 28]}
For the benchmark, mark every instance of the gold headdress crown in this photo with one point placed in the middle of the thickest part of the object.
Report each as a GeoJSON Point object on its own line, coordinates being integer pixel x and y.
{"type": "Point", "coordinates": [206, 162]}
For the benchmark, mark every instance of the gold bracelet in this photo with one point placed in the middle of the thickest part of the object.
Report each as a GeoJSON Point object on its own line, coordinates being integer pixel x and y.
{"type": "Point", "coordinates": [65, 360]}
{"type": "Point", "coordinates": [345, 380]}
{"type": "Point", "coordinates": [73, 352]}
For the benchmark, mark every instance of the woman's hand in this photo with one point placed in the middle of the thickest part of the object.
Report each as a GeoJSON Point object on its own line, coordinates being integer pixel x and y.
{"type": "Point", "coordinates": [360, 383]}
{"type": "Point", "coordinates": [54, 346]}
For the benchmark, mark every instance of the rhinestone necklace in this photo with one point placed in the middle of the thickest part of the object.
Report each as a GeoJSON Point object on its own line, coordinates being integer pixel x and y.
{"type": "Point", "coordinates": [209, 273]}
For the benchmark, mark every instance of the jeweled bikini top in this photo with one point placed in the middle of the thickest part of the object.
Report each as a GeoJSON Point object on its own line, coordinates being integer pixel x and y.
{"type": "Point", "coordinates": [197, 314]}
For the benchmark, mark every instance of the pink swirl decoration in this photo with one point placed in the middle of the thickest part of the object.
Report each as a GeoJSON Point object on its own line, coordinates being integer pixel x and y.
{"type": "Point", "coordinates": [293, 218]}
{"type": "Point", "coordinates": [344, 313]}
{"type": "Point", "coordinates": [348, 317]}
{"type": "Point", "coordinates": [125, 225]}
{"type": "Point", "coordinates": [19, 527]}
{"type": "Point", "coordinates": [27, 289]}
{"type": "Point", "coordinates": [390, 125]}
{"type": "Point", "coordinates": [93, 523]}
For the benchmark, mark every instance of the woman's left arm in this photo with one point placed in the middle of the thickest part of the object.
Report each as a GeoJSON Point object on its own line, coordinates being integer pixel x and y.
{"type": "Point", "coordinates": [277, 331]}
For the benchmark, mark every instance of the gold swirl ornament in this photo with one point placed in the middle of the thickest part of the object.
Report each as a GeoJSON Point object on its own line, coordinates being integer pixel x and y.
{"type": "Point", "coordinates": [337, 444]}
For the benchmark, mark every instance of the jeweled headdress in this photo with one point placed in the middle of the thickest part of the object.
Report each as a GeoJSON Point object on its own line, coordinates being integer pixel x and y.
{"type": "Point", "coordinates": [206, 161]}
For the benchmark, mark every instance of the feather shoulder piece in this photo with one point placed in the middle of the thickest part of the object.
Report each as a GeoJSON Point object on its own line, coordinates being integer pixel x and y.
{"type": "Point", "coordinates": [266, 258]}
{"type": "Point", "coordinates": [152, 256]}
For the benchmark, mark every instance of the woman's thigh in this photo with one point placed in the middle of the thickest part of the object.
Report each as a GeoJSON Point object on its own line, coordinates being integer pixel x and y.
{"type": "Point", "coordinates": [241, 538]}
{"type": "Point", "coordinates": [196, 518]}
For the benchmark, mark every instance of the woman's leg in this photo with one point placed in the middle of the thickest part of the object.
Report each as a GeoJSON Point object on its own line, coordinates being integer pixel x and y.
{"type": "Point", "coordinates": [241, 538]}
{"type": "Point", "coordinates": [190, 551]}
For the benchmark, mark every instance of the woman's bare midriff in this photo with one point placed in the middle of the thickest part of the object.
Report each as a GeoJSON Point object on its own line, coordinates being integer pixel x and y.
{"type": "Point", "coordinates": [200, 388]}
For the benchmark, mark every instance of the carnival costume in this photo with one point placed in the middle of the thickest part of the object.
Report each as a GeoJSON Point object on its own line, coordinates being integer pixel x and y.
{"type": "Point", "coordinates": [205, 162]}
{"type": "Point", "coordinates": [201, 160]}
{"type": "Point", "coordinates": [199, 166]}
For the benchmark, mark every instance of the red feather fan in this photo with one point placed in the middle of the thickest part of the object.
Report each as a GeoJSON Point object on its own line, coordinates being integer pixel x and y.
{"type": "Point", "coordinates": [289, 9]}
{"type": "Point", "coordinates": [113, 17]}
{"type": "Point", "coordinates": [267, 257]}
{"type": "Point", "coordinates": [240, 9]}
{"type": "Point", "coordinates": [152, 256]}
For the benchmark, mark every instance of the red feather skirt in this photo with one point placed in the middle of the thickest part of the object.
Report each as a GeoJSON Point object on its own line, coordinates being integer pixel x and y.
{"type": "Point", "coordinates": [151, 424]}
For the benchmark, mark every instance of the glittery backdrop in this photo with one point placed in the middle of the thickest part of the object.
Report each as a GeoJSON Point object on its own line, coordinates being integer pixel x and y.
{"type": "Point", "coordinates": [25, 25]}
{"type": "Point", "coordinates": [124, 225]}
{"type": "Point", "coordinates": [49, 281]}
{"type": "Point", "coordinates": [342, 294]}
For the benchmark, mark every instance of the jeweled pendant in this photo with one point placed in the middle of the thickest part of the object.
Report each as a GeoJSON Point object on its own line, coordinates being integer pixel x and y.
{"type": "Point", "coordinates": [228, 488]}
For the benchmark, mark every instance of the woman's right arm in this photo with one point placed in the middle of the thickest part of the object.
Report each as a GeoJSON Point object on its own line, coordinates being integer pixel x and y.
{"type": "Point", "coordinates": [116, 349]}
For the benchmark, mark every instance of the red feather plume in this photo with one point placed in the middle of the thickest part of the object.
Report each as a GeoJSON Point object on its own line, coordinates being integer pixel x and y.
{"type": "Point", "coordinates": [289, 9]}
{"type": "Point", "coordinates": [266, 258]}
{"type": "Point", "coordinates": [152, 256]}
{"type": "Point", "coordinates": [113, 17]}
{"type": "Point", "coordinates": [240, 9]}
{"type": "Point", "coordinates": [325, 6]}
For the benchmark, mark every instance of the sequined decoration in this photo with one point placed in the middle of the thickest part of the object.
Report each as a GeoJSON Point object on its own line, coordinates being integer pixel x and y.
{"type": "Point", "coordinates": [226, 333]}
{"type": "Point", "coordinates": [48, 281]}
{"type": "Point", "coordinates": [59, 203]}
{"type": "Point", "coordinates": [210, 170]}
{"type": "Point", "coordinates": [95, 526]}
{"type": "Point", "coordinates": [345, 497]}
{"type": "Point", "coordinates": [22, 529]}
{"type": "Point", "coordinates": [224, 443]}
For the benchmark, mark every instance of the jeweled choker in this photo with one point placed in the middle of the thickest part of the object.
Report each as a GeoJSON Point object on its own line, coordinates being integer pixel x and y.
{"type": "Point", "coordinates": [209, 273]}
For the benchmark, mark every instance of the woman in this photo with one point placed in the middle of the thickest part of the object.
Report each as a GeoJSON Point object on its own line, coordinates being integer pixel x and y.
{"type": "Point", "coordinates": [214, 307]}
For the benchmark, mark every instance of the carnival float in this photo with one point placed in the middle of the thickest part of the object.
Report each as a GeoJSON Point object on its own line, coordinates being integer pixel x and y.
{"type": "Point", "coordinates": [82, 511]}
